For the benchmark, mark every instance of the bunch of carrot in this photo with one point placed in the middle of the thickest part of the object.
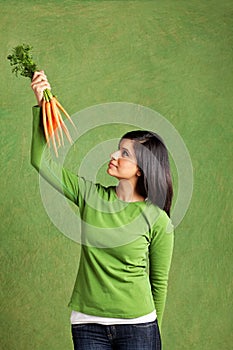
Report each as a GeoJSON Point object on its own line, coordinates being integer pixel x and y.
{"type": "Point", "coordinates": [54, 126]}
{"type": "Point", "coordinates": [52, 121]}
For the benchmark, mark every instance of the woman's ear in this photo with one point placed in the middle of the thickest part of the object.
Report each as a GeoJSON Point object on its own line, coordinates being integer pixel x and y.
{"type": "Point", "coordinates": [139, 172]}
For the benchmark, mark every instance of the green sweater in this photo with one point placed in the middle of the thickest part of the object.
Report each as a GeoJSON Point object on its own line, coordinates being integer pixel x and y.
{"type": "Point", "coordinates": [126, 248]}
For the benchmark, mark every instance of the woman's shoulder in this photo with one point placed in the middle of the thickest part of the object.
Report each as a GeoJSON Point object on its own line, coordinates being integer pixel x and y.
{"type": "Point", "coordinates": [160, 220]}
{"type": "Point", "coordinates": [96, 188]}
{"type": "Point", "coordinates": [165, 222]}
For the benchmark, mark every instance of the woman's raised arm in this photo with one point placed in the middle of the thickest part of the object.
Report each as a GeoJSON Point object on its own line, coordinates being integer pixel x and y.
{"type": "Point", "coordinates": [60, 178]}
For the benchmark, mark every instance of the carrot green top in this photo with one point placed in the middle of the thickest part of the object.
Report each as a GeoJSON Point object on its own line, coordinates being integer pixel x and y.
{"type": "Point", "coordinates": [126, 248]}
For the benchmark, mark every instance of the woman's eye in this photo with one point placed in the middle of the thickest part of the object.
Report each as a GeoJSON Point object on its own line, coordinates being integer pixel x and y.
{"type": "Point", "coordinates": [125, 153]}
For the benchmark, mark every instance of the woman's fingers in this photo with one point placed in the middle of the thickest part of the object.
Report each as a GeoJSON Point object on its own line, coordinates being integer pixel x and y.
{"type": "Point", "coordinates": [39, 77]}
{"type": "Point", "coordinates": [38, 74]}
{"type": "Point", "coordinates": [39, 84]}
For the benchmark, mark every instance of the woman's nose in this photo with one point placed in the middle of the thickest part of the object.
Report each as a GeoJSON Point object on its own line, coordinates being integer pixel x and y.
{"type": "Point", "coordinates": [115, 155]}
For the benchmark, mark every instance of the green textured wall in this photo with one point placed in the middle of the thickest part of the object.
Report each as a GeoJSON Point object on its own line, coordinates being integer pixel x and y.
{"type": "Point", "coordinates": [172, 56]}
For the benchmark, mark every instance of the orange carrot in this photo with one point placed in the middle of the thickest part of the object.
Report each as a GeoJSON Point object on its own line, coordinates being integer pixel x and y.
{"type": "Point", "coordinates": [56, 119]}
{"type": "Point", "coordinates": [55, 126]}
{"type": "Point", "coordinates": [64, 127]}
{"type": "Point", "coordinates": [45, 122]}
{"type": "Point", "coordinates": [50, 124]}
{"type": "Point", "coordinates": [56, 135]}
{"type": "Point", "coordinates": [64, 111]}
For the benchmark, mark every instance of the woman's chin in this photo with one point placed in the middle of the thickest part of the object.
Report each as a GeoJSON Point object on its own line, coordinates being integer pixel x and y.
{"type": "Point", "coordinates": [110, 172]}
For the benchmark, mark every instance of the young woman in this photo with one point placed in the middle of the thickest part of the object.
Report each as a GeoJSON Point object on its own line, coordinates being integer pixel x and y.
{"type": "Point", "coordinates": [127, 240]}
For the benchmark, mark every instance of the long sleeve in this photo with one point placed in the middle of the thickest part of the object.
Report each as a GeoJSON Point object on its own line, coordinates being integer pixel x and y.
{"type": "Point", "coordinates": [60, 178]}
{"type": "Point", "coordinates": [160, 255]}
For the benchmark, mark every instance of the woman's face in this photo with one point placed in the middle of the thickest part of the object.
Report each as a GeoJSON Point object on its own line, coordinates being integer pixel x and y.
{"type": "Point", "coordinates": [123, 163]}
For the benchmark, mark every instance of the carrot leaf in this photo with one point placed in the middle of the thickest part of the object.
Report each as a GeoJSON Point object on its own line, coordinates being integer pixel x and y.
{"type": "Point", "coordinates": [22, 62]}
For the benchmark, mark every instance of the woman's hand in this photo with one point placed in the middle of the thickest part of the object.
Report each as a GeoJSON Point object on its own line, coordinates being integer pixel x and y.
{"type": "Point", "coordinates": [39, 84]}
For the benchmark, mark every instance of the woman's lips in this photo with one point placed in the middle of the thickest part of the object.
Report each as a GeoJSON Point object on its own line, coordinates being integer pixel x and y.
{"type": "Point", "coordinates": [112, 165]}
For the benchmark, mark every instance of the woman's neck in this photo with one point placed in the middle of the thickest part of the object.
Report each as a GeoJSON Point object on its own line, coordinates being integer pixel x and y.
{"type": "Point", "coordinates": [126, 192]}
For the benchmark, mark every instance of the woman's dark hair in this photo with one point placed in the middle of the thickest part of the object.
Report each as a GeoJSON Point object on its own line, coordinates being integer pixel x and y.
{"type": "Point", "coordinates": [155, 182]}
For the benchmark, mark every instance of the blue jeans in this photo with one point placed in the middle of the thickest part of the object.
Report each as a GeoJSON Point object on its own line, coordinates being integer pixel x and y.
{"type": "Point", "coordinates": [142, 336]}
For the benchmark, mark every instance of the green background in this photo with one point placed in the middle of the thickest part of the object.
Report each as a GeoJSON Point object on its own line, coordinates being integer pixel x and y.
{"type": "Point", "coordinates": [172, 56]}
